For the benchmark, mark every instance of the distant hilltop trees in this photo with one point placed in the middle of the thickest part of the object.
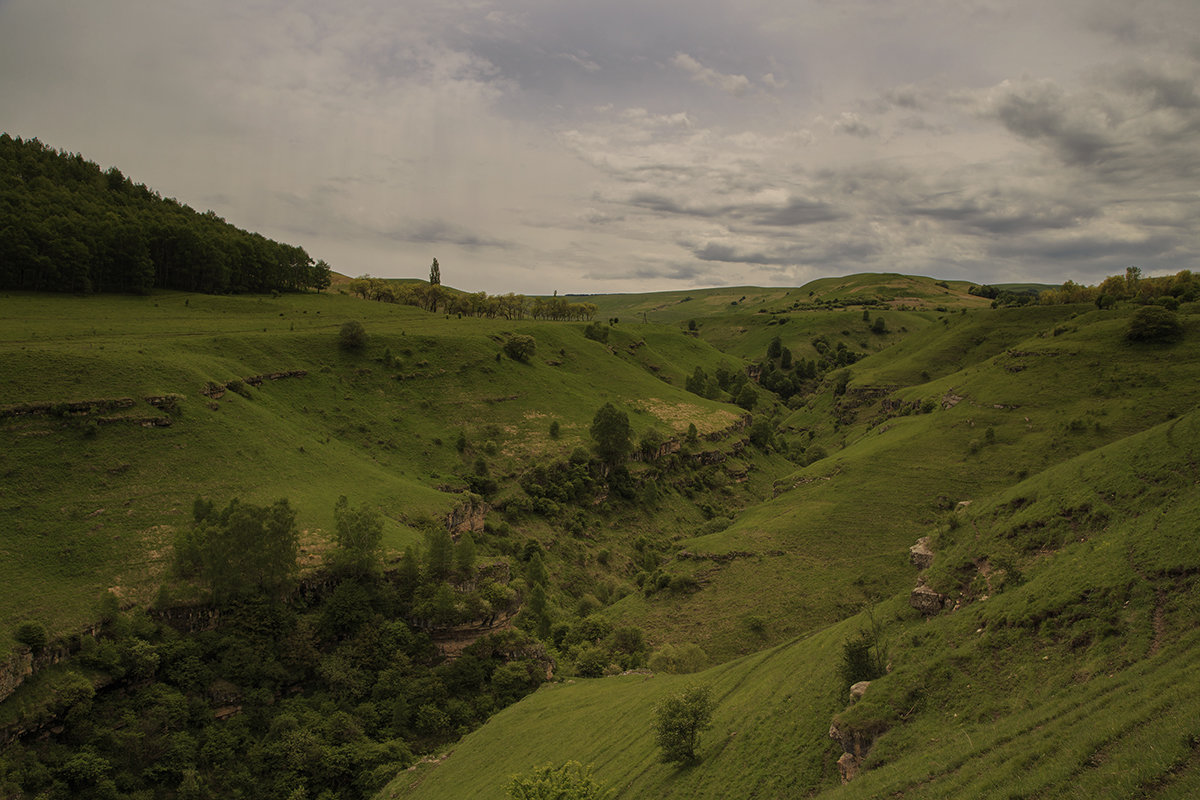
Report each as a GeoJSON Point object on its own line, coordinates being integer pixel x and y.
{"type": "Point", "coordinates": [434, 297]}
{"type": "Point", "coordinates": [68, 226]}
{"type": "Point", "coordinates": [1164, 290]}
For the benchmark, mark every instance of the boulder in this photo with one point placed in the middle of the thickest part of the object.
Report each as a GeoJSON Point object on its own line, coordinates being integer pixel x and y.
{"type": "Point", "coordinates": [858, 690]}
{"type": "Point", "coordinates": [926, 600]}
{"type": "Point", "coordinates": [919, 555]}
{"type": "Point", "coordinates": [848, 767]}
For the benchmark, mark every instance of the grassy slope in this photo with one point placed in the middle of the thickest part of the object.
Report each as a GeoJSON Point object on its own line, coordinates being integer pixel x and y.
{"type": "Point", "coordinates": [1074, 682]}
{"type": "Point", "coordinates": [82, 514]}
{"type": "Point", "coordinates": [1066, 387]}
{"type": "Point", "coordinates": [836, 536]}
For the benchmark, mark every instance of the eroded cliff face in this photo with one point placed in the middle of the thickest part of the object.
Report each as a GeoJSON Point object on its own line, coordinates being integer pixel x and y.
{"type": "Point", "coordinates": [467, 516]}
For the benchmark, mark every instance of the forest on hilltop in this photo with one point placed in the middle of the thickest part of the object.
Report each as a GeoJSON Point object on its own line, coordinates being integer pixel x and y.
{"type": "Point", "coordinates": [68, 226]}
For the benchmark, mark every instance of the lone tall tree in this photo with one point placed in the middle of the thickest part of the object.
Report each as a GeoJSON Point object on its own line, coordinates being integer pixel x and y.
{"type": "Point", "coordinates": [679, 721]}
{"type": "Point", "coordinates": [435, 286]}
{"type": "Point", "coordinates": [612, 433]}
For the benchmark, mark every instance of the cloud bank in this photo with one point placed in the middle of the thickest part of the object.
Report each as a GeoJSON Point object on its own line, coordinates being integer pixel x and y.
{"type": "Point", "coordinates": [533, 145]}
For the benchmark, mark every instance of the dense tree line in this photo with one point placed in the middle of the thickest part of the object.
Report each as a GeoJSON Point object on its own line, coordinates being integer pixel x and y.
{"type": "Point", "coordinates": [68, 226]}
{"type": "Point", "coordinates": [434, 297]}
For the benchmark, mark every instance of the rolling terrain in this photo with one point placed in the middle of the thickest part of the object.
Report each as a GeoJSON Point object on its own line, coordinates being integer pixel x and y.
{"type": "Point", "coordinates": [1049, 461]}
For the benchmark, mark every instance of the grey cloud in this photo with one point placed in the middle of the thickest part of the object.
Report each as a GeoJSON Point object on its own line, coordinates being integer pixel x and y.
{"type": "Point", "coordinates": [795, 212]}
{"type": "Point", "coordinates": [1041, 111]}
{"type": "Point", "coordinates": [850, 123]}
{"type": "Point", "coordinates": [1163, 91]}
{"type": "Point", "coordinates": [1009, 213]}
{"type": "Point", "coordinates": [1161, 24]}
{"type": "Point", "coordinates": [847, 251]}
{"type": "Point", "coordinates": [1099, 248]}
{"type": "Point", "coordinates": [733, 84]}
{"type": "Point", "coordinates": [665, 205]}
{"type": "Point", "coordinates": [690, 273]}
{"type": "Point", "coordinates": [732, 255]}
{"type": "Point", "coordinates": [438, 231]}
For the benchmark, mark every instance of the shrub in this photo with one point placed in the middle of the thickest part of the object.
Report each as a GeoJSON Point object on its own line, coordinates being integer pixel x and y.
{"type": "Point", "coordinates": [747, 397]}
{"type": "Point", "coordinates": [1154, 324]}
{"type": "Point", "coordinates": [32, 635]}
{"type": "Point", "coordinates": [571, 781]}
{"type": "Point", "coordinates": [520, 348]}
{"type": "Point", "coordinates": [597, 332]}
{"type": "Point", "coordinates": [554, 429]}
{"type": "Point", "coordinates": [590, 662]}
{"type": "Point", "coordinates": [761, 435]}
{"type": "Point", "coordinates": [679, 660]}
{"type": "Point", "coordinates": [352, 336]}
{"type": "Point", "coordinates": [864, 657]}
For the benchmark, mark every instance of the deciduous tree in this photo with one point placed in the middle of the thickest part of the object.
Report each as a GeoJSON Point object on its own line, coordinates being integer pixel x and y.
{"type": "Point", "coordinates": [359, 538]}
{"type": "Point", "coordinates": [612, 434]}
{"type": "Point", "coordinates": [247, 549]}
{"type": "Point", "coordinates": [679, 721]}
{"type": "Point", "coordinates": [520, 348]}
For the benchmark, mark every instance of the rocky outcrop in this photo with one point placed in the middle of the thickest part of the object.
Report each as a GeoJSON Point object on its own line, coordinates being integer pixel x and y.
{"type": "Point", "coordinates": [855, 742]}
{"type": "Point", "coordinates": [467, 516]}
{"type": "Point", "coordinates": [950, 400]}
{"type": "Point", "coordinates": [217, 390]}
{"type": "Point", "coordinates": [848, 767]}
{"type": "Point", "coordinates": [926, 600]}
{"type": "Point", "coordinates": [165, 401]}
{"type": "Point", "coordinates": [71, 408]}
{"type": "Point", "coordinates": [858, 690]}
{"type": "Point", "coordinates": [919, 555]}
{"type": "Point", "coordinates": [188, 619]}
{"type": "Point", "coordinates": [256, 380]}
{"type": "Point", "coordinates": [23, 662]}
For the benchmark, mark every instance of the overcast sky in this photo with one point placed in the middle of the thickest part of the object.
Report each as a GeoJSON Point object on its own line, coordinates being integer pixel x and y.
{"type": "Point", "coordinates": [634, 145]}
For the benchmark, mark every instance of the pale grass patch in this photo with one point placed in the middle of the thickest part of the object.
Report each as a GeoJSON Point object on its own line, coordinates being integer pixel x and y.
{"type": "Point", "coordinates": [680, 415]}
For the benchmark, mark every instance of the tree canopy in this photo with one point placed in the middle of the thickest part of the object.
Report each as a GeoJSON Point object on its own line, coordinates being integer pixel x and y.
{"type": "Point", "coordinates": [242, 550]}
{"type": "Point", "coordinates": [359, 539]}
